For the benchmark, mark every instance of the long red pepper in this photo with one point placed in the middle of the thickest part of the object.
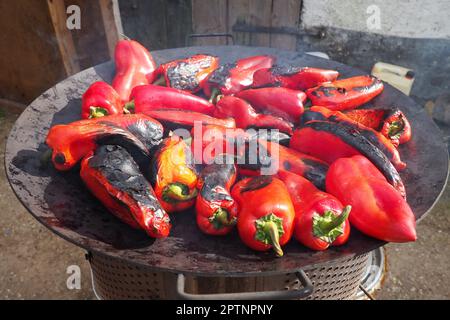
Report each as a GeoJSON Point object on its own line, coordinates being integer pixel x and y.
{"type": "Point", "coordinates": [151, 97]}
{"type": "Point", "coordinates": [174, 175]}
{"type": "Point", "coordinates": [111, 174]}
{"type": "Point", "coordinates": [378, 209]}
{"type": "Point", "coordinates": [234, 77]}
{"type": "Point", "coordinates": [134, 66]}
{"type": "Point", "coordinates": [286, 159]}
{"type": "Point", "coordinates": [330, 141]}
{"type": "Point", "coordinates": [375, 137]}
{"type": "Point", "coordinates": [292, 77]}
{"type": "Point", "coordinates": [320, 218]}
{"type": "Point", "coordinates": [282, 102]}
{"type": "Point", "coordinates": [99, 100]}
{"type": "Point", "coordinates": [345, 94]}
{"type": "Point", "coordinates": [266, 213]}
{"type": "Point", "coordinates": [173, 119]}
{"type": "Point", "coordinates": [188, 74]}
{"type": "Point", "coordinates": [70, 143]}
{"type": "Point", "coordinates": [392, 123]}
{"type": "Point", "coordinates": [246, 117]}
{"type": "Point", "coordinates": [216, 211]}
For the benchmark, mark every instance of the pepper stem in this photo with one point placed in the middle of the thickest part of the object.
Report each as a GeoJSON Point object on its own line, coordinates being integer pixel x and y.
{"type": "Point", "coordinates": [129, 107]}
{"type": "Point", "coordinates": [272, 229]}
{"type": "Point", "coordinates": [330, 226]}
{"type": "Point", "coordinates": [221, 218]}
{"type": "Point", "coordinates": [214, 93]}
{"type": "Point", "coordinates": [268, 230]}
{"type": "Point", "coordinates": [161, 81]}
{"type": "Point", "coordinates": [97, 112]}
{"type": "Point", "coordinates": [178, 192]}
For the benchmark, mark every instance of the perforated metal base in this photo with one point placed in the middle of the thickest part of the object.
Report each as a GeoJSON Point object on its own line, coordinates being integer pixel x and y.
{"type": "Point", "coordinates": [115, 279]}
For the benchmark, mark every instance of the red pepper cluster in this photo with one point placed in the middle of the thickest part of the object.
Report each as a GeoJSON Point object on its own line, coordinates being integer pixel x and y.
{"type": "Point", "coordinates": [332, 165]}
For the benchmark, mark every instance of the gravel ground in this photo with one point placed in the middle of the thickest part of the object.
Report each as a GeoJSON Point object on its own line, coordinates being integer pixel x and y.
{"type": "Point", "coordinates": [34, 261]}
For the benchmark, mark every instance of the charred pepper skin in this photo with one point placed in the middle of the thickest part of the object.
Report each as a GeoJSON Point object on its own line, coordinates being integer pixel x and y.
{"type": "Point", "coordinates": [134, 67]}
{"type": "Point", "coordinates": [174, 176]}
{"type": "Point", "coordinates": [150, 97]}
{"type": "Point", "coordinates": [148, 130]}
{"type": "Point", "coordinates": [71, 142]}
{"type": "Point", "coordinates": [378, 210]}
{"type": "Point", "coordinates": [246, 116]}
{"type": "Point", "coordinates": [232, 78]}
{"type": "Point", "coordinates": [289, 160]}
{"type": "Point", "coordinates": [216, 211]}
{"type": "Point", "coordinates": [114, 178]}
{"type": "Point", "coordinates": [99, 100]}
{"type": "Point", "coordinates": [188, 74]}
{"type": "Point", "coordinates": [265, 213]}
{"type": "Point", "coordinates": [281, 102]}
{"type": "Point", "coordinates": [292, 77]}
{"type": "Point", "coordinates": [330, 141]}
{"type": "Point", "coordinates": [345, 94]}
{"type": "Point", "coordinates": [375, 137]}
{"type": "Point", "coordinates": [320, 218]}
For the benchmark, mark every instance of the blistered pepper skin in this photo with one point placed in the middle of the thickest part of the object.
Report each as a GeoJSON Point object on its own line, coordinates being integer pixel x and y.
{"type": "Point", "coordinates": [113, 177]}
{"type": "Point", "coordinates": [345, 94]}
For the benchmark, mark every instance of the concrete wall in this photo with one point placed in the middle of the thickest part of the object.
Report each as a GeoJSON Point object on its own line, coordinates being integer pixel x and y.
{"type": "Point", "coordinates": [405, 18]}
{"type": "Point", "coordinates": [413, 34]}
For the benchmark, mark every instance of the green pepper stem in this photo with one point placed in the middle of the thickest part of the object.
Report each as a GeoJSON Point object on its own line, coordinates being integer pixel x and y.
{"type": "Point", "coordinates": [214, 94]}
{"type": "Point", "coordinates": [221, 218]}
{"type": "Point", "coordinates": [175, 192]}
{"type": "Point", "coordinates": [271, 228]}
{"type": "Point", "coordinates": [336, 221]}
{"type": "Point", "coordinates": [97, 112]}
{"type": "Point", "coordinates": [161, 81]}
{"type": "Point", "coordinates": [129, 107]}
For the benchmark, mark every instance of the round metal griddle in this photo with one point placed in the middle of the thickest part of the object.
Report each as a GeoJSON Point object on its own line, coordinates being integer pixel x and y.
{"type": "Point", "coordinates": [60, 201]}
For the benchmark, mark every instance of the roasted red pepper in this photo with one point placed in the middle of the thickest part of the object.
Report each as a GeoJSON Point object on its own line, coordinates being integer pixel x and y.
{"type": "Point", "coordinates": [320, 218]}
{"type": "Point", "coordinates": [234, 77]}
{"type": "Point", "coordinates": [392, 123]}
{"type": "Point", "coordinates": [114, 178]}
{"type": "Point", "coordinates": [346, 93]}
{"type": "Point", "coordinates": [148, 130]}
{"type": "Point", "coordinates": [281, 102]}
{"type": "Point", "coordinates": [375, 137]}
{"type": "Point", "coordinates": [246, 117]}
{"type": "Point", "coordinates": [71, 142]}
{"type": "Point", "coordinates": [99, 100]}
{"type": "Point", "coordinates": [151, 97]}
{"type": "Point", "coordinates": [265, 213]}
{"type": "Point", "coordinates": [174, 175]}
{"type": "Point", "coordinates": [134, 67]}
{"type": "Point", "coordinates": [188, 74]}
{"type": "Point", "coordinates": [299, 78]}
{"type": "Point", "coordinates": [330, 141]}
{"type": "Point", "coordinates": [212, 141]}
{"type": "Point", "coordinates": [378, 210]}
{"type": "Point", "coordinates": [173, 119]}
{"type": "Point", "coordinates": [286, 159]}
{"type": "Point", "coordinates": [215, 208]}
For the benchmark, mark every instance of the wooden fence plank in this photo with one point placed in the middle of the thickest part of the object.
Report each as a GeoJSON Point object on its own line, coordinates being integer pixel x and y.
{"type": "Point", "coordinates": [209, 16]}
{"type": "Point", "coordinates": [260, 15]}
{"type": "Point", "coordinates": [239, 12]}
{"type": "Point", "coordinates": [286, 13]}
{"type": "Point", "coordinates": [111, 22]}
{"type": "Point", "coordinates": [58, 15]}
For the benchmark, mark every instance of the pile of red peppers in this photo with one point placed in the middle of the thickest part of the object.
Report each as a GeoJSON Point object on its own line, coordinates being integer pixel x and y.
{"type": "Point", "coordinates": [336, 165]}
